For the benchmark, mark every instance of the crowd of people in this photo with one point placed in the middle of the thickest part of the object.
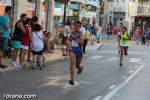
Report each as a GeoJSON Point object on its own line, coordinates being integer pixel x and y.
{"type": "Point", "coordinates": [28, 40]}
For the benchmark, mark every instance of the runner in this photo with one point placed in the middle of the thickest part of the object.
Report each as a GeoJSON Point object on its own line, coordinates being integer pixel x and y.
{"type": "Point", "coordinates": [75, 51]}
{"type": "Point", "coordinates": [119, 33]}
{"type": "Point", "coordinates": [124, 44]}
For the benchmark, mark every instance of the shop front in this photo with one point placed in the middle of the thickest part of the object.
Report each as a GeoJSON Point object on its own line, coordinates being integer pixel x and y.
{"type": "Point", "coordinates": [73, 11]}
{"type": "Point", "coordinates": [57, 12]}
{"type": "Point", "coordinates": [3, 4]}
{"type": "Point", "coordinates": [142, 22]}
{"type": "Point", "coordinates": [31, 8]}
{"type": "Point", "coordinates": [88, 14]}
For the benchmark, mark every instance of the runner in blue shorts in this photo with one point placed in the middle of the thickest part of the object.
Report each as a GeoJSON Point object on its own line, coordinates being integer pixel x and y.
{"type": "Point", "coordinates": [75, 51]}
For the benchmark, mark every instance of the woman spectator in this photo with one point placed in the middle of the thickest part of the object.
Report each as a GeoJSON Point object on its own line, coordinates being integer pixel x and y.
{"type": "Point", "coordinates": [65, 39]}
{"type": "Point", "coordinates": [148, 36]}
{"type": "Point", "coordinates": [56, 36]}
{"type": "Point", "coordinates": [138, 35]}
{"type": "Point", "coordinates": [34, 20]}
{"type": "Point", "coordinates": [109, 31]}
{"type": "Point", "coordinates": [49, 43]}
{"type": "Point", "coordinates": [37, 45]}
{"type": "Point", "coordinates": [115, 32]}
{"type": "Point", "coordinates": [25, 39]}
{"type": "Point", "coordinates": [99, 34]}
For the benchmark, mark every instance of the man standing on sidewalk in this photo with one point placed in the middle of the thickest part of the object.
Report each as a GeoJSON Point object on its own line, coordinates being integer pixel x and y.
{"type": "Point", "coordinates": [4, 32]}
{"type": "Point", "coordinates": [17, 35]}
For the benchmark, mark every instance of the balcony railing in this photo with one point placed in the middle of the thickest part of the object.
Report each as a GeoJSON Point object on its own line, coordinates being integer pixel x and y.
{"type": "Point", "coordinates": [143, 8]}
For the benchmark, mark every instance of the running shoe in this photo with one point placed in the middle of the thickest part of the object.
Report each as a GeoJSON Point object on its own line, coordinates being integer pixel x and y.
{"type": "Point", "coordinates": [71, 82]}
{"type": "Point", "coordinates": [120, 64]}
{"type": "Point", "coordinates": [80, 69]}
{"type": "Point", "coordinates": [3, 66]}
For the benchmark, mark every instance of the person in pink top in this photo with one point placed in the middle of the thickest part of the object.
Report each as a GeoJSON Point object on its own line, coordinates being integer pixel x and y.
{"type": "Point", "coordinates": [26, 38]}
{"type": "Point", "coordinates": [138, 34]}
{"type": "Point", "coordinates": [115, 31]}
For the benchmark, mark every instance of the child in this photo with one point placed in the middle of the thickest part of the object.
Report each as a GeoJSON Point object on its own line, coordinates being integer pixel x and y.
{"type": "Point", "coordinates": [49, 43]}
{"type": "Point", "coordinates": [37, 45]}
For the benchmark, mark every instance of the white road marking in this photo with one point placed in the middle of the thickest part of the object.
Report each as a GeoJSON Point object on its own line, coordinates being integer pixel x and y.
{"type": "Point", "coordinates": [94, 47]}
{"type": "Point", "coordinates": [98, 98]}
{"type": "Point", "coordinates": [76, 84]}
{"type": "Point", "coordinates": [130, 72]}
{"type": "Point", "coordinates": [136, 67]}
{"type": "Point", "coordinates": [112, 87]}
{"type": "Point", "coordinates": [124, 77]}
{"type": "Point", "coordinates": [135, 60]}
{"type": "Point", "coordinates": [96, 57]}
{"type": "Point", "coordinates": [113, 59]}
{"type": "Point", "coordinates": [114, 91]}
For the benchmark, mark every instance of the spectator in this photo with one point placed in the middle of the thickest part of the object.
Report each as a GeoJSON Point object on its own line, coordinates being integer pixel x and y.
{"type": "Point", "coordinates": [49, 42]}
{"type": "Point", "coordinates": [4, 32]}
{"type": "Point", "coordinates": [17, 35]}
{"type": "Point", "coordinates": [86, 38]}
{"type": "Point", "coordinates": [138, 34]}
{"type": "Point", "coordinates": [34, 20]}
{"type": "Point", "coordinates": [109, 31]}
{"type": "Point", "coordinates": [148, 36]}
{"type": "Point", "coordinates": [37, 46]}
{"type": "Point", "coordinates": [99, 34]}
{"type": "Point", "coordinates": [25, 39]}
{"type": "Point", "coordinates": [56, 36]}
{"type": "Point", "coordinates": [115, 32]}
{"type": "Point", "coordinates": [65, 38]}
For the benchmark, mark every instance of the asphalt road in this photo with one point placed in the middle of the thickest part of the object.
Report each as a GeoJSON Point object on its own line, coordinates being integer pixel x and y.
{"type": "Point", "coordinates": [102, 78]}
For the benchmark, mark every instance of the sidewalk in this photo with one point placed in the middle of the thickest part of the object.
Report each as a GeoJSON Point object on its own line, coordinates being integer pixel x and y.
{"type": "Point", "coordinates": [49, 57]}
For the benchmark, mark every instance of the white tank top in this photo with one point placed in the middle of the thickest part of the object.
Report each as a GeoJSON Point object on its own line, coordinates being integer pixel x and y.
{"type": "Point", "coordinates": [74, 43]}
{"type": "Point", "coordinates": [37, 41]}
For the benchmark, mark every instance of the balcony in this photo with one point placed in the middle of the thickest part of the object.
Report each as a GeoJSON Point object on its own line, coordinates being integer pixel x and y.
{"type": "Point", "coordinates": [143, 9]}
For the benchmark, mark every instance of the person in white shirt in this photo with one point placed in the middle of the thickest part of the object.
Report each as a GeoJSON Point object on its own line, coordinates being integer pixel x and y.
{"type": "Point", "coordinates": [99, 34]}
{"type": "Point", "coordinates": [37, 45]}
{"type": "Point", "coordinates": [65, 38]}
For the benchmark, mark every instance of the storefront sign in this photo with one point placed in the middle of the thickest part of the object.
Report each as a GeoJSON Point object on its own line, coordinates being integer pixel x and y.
{"type": "Point", "coordinates": [73, 6]}
{"type": "Point", "coordinates": [92, 2]}
{"type": "Point", "coordinates": [88, 8]}
{"type": "Point", "coordinates": [31, 6]}
{"type": "Point", "coordinates": [87, 14]}
{"type": "Point", "coordinates": [57, 9]}
{"type": "Point", "coordinates": [5, 2]}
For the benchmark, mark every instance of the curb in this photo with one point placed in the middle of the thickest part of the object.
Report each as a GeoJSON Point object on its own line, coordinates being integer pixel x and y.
{"type": "Point", "coordinates": [11, 69]}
